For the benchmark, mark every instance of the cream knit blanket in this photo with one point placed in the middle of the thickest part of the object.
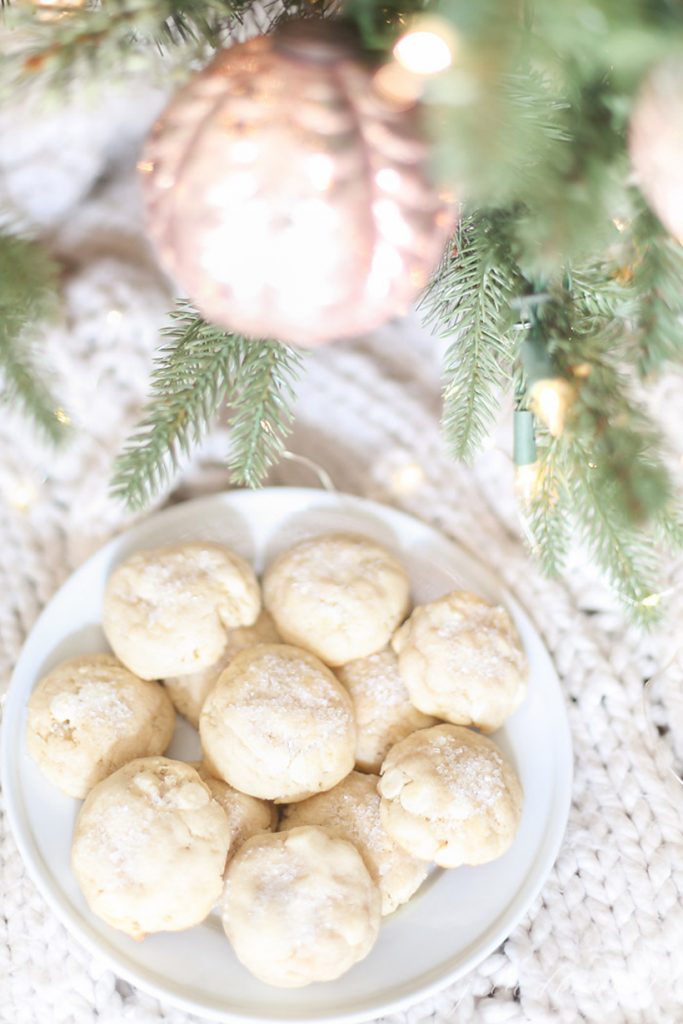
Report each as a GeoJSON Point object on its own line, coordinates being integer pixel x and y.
{"type": "Point", "coordinates": [604, 942]}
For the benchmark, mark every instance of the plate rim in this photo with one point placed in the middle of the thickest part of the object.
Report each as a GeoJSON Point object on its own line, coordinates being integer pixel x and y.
{"type": "Point", "coordinates": [511, 914]}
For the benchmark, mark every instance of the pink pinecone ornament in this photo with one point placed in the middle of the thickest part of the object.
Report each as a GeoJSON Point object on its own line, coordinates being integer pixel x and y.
{"type": "Point", "coordinates": [287, 196]}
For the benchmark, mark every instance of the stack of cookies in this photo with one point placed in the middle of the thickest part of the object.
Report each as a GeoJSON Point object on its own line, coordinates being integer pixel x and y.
{"type": "Point", "coordinates": [338, 763]}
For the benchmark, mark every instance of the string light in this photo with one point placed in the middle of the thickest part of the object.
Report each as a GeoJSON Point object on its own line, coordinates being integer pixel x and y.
{"type": "Point", "coordinates": [551, 401]}
{"type": "Point", "coordinates": [402, 88]}
{"type": "Point", "coordinates": [62, 416]}
{"type": "Point", "coordinates": [427, 49]}
{"type": "Point", "coordinates": [527, 482]}
{"type": "Point", "coordinates": [22, 494]}
{"type": "Point", "coordinates": [407, 479]}
{"type": "Point", "coordinates": [56, 10]}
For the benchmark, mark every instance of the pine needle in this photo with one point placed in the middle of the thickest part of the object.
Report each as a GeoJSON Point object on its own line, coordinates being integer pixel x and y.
{"type": "Point", "coordinates": [261, 409]}
{"type": "Point", "coordinates": [469, 300]}
{"type": "Point", "coordinates": [201, 367]}
{"type": "Point", "coordinates": [190, 379]}
{"type": "Point", "coordinates": [549, 519]}
{"type": "Point", "coordinates": [27, 298]}
{"type": "Point", "coordinates": [626, 557]}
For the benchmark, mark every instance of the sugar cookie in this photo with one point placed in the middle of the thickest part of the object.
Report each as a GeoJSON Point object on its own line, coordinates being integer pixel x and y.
{"type": "Point", "coordinates": [462, 660]}
{"type": "Point", "coordinates": [278, 725]}
{"type": "Point", "coordinates": [150, 846]}
{"type": "Point", "coordinates": [338, 595]}
{"type": "Point", "coordinates": [383, 711]}
{"type": "Point", "coordinates": [299, 907]}
{"type": "Point", "coordinates": [89, 716]}
{"type": "Point", "coordinates": [247, 815]}
{"type": "Point", "coordinates": [449, 795]}
{"type": "Point", "coordinates": [168, 611]}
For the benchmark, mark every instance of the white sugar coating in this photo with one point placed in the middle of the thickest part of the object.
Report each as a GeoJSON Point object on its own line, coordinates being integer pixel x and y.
{"type": "Point", "coordinates": [449, 795]}
{"type": "Point", "coordinates": [247, 815]}
{"type": "Point", "coordinates": [150, 846]}
{"type": "Point", "coordinates": [168, 611]}
{"type": "Point", "coordinates": [352, 811]}
{"type": "Point", "coordinates": [299, 907]}
{"type": "Point", "coordinates": [89, 716]}
{"type": "Point", "coordinates": [339, 595]}
{"type": "Point", "coordinates": [278, 725]}
{"type": "Point", "coordinates": [383, 711]}
{"type": "Point", "coordinates": [462, 660]}
{"type": "Point", "coordinates": [189, 692]}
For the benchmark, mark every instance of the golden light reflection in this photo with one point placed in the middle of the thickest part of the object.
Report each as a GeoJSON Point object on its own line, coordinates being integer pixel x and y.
{"type": "Point", "coordinates": [424, 51]}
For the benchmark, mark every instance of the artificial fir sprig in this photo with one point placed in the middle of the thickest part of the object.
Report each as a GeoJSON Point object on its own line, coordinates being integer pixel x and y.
{"type": "Point", "coordinates": [469, 300]}
{"type": "Point", "coordinates": [261, 408]}
{"type": "Point", "coordinates": [113, 35]}
{"type": "Point", "coordinates": [27, 298]}
{"type": "Point", "coordinates": [200, 368]}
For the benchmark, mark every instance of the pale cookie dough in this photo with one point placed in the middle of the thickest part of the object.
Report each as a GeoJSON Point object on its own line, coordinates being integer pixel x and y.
{"type": "Point", "coordinates": [300, 907]}
{"type": "Point", "coordinates": [189, 692]}
{"type": "Point", "coordinates": [351, 811]}
{"type": "Point", "coordinates": [149, 847]}
{"type": "Point", "coordinates": [384, 713]}
{"type": "Point", "coordinates": [89, 716]}
{"type": "Point", "coordinates": [462, 660]}
{"type": "Point", "coordinates": [449, 795]}
{"type": "Point", "coordinates": [168, 611]}
{"type": "Point", "coordinates": [339, 596]}
{"type": "Point", "coordinates": [247, 815]}
{"type": "Point", "coordinates": [278, 725]}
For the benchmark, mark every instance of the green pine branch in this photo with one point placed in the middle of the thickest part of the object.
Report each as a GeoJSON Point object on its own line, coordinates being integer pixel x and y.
{"type": "Point", "coordinates": [103, 36]}
{"type": "Point", "coordinates": [658, 286]}
{"type": "Point", "coordinates": [261, 408]}
{"type": "Point", "coordinates": [469, 300]}
{"type": "Point", "coordinates": [27, 299]}
{"type": "Point", "coordinates": [199, 368]}
{"type": "Point", "coordinates": [626, 556]}
{"type": "Point", "coordinates": [547, 511]}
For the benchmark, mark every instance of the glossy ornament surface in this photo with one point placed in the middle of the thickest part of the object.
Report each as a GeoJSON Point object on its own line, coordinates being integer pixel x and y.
{"type": "Point", "coordinates": [288, 195]}
{"type": "Point", "coordinates": [656, 143]}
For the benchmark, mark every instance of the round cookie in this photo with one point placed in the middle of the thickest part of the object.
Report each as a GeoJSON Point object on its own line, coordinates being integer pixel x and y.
{"type": "Point", "coordinates": [168, 611]}
{"type": "Point", "coordinates": [278, 725]}
{"type": "Point", "coordinates": [351, 811]}
{"type": "Point", "coordinates": [189, 692]}
{"type": "Point", "coordinates": [299, 907]}
{"type": "Point", "coordinates": [339, 596]}
{"type": "Point", "coordinates": [89, 716]}
{"type": "Point", "coordinates": [449, 795]}
{"type": "Point", "coordinates": [247, 815]}
{"type": "Point", "coordinates": [149, 847]}
{"type": "Point", "coordinates": [383, 711]}
{"type": "Point", "coordinates": [462, 660]}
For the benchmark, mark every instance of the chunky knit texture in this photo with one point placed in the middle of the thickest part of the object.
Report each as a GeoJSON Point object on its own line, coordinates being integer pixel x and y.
{"type": "Point", "coordinates": [604, 941]}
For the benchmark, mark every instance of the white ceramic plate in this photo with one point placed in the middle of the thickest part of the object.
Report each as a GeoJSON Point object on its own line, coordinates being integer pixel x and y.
{"type": "Point", "coordinates": [456, 919]}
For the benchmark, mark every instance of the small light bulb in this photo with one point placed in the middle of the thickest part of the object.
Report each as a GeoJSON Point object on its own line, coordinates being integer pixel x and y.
{"type": "Point", "coordinates": [22, 495]}
{"type": "Point", "coordinates": [406, 479]}
{"type": "Point", "coordinates": [62, 416]}
{"type": "Point", "coordinates": [425, 49]}
{"type": "Point", "coordinates": [551, 401]}
{"type": "Point", "coordinates": [527, 480]}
